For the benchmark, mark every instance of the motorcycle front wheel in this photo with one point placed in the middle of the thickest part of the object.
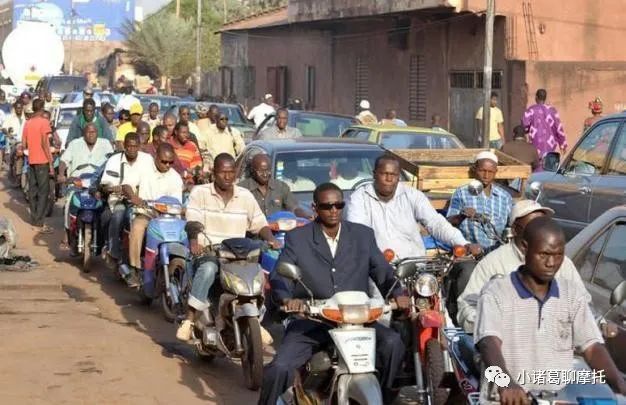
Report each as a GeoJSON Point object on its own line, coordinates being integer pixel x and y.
{"type": "Point", "coordinates": [176, 269]}
{"type": "Point", "coordinates": [87, 236]}
{"type": "Point", "coordinates": [252, 359]}
{"type": "Point", "coordinates": [435, 372]}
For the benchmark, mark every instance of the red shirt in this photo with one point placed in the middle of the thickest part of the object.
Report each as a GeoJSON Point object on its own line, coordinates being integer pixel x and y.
{"type": "Point", "coordinates": [188, 154]}
{"type": "Point", "coordinates": [36, 132]}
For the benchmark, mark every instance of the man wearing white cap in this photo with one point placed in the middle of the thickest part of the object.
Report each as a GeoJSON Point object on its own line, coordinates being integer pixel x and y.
{"type": "Point", "coordinates": [494, 202]}
{"type": "Point", "coordinates": [366, 117]}
{"type": "Point", "coordinates": [261, 111]}
{"type": "Point", "coordinates": [505, 260]}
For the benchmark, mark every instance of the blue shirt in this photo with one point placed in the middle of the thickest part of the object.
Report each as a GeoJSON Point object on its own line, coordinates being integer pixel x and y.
{"type": "Point", "coordinates": [497, 207]}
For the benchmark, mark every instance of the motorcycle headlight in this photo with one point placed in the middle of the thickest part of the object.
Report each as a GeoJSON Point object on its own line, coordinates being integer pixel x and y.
{"type": "Point", "coordinates": [258, 283]}
{"type": "Point", "coordinates": [426, 285]}
{"type": "Point", "coordinates": [235, 284]}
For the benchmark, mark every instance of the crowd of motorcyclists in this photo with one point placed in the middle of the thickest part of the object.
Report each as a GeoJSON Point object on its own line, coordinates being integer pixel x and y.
{"type": "Point", "coordinates": [520, 301]}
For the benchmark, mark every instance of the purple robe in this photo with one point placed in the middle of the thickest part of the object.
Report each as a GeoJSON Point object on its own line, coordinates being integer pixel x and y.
{"type": "Point", "coordinates": [545, 130]}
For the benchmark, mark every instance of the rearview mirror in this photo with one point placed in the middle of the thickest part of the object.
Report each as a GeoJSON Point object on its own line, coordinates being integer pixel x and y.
{"type": "Point", "coordinates": [475, 187]}
{"type": "Point", "coordinates": [289, 271]}
{"type": "Point", "coordinates": [535, 188]}
{"type": "Point", "coordinates": [618, 295]}
{"type": "Point", "coordinates": [405, 270]}
{"type": "Point", "coordinates": [551, 161]}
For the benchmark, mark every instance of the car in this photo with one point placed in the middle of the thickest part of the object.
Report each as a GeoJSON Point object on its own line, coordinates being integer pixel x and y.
{"type": "Point", "coordinates": [236, 118]}
{"type": "Point", "coordinates": [59, 85]}
{"type": "Point", "coordinates": [589, 181]}
{"type": "Point", "coordinates": [99, 96]}
{"type": "Point", "coordinates": [313, 123]}
{"type": "Point", "coordinates": [164, 102]}
{"type": "Point", "coordinates": [599, 255]}
{"type": "Point", "coordinates": [314, 161]}
{"type": "Point", "coordinates": [396, 137]}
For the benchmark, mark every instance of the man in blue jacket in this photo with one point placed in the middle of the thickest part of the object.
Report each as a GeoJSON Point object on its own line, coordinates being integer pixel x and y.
{"type": "Point", "coordinates": [333, 256]}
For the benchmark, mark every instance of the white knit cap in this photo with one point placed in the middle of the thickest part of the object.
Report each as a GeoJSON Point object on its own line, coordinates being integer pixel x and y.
{"type": "Point", "coordinates": [364, 104]}
{"type": "Point", "coordinates": [486, 155]}
{"type": "Point", "coordinates": [267, 96]}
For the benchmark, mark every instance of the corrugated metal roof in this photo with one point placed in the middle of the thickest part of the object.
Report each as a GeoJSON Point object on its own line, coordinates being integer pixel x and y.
{"type": "Point", "coordinates": [277, 16]}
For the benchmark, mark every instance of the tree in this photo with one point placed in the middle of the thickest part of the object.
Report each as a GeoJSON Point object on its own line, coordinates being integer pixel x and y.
{"type": "Point", "coordinates": [165, 44]}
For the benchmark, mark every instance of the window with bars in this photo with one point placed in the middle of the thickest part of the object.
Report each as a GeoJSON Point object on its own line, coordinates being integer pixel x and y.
{"type": "Point", "coordinates": [362, 82]}
{"type": "Point", "coordinates": [474, 80]}
{"type": "Point", "coordinates": [417, 89]}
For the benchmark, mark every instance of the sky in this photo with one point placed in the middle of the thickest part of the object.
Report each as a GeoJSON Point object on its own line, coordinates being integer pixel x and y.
{"type": "Point", "coordinates": [150, 6]}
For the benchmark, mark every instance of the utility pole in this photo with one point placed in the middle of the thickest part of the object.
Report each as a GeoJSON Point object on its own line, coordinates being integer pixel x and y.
{"type": "Point", "coordinates": [198, 67]}
{"type": "Point", "coordinates": [487, 71]}
{"type": "Point", "coordinates": [72, 13]}
{"type": "Point", "coordinates": [177, 8]}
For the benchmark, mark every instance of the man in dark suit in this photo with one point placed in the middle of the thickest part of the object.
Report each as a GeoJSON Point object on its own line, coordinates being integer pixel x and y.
{"type": "Point", "coordinates": [334, 256]}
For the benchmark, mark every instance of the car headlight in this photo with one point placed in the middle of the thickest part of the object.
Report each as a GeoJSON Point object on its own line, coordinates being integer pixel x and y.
{"type": "Point", "coordinates": [426, 285]}
{"type": "Point", "coordinates": [235, 284]}
{"type": "Point", "coordinates": [258, 283]}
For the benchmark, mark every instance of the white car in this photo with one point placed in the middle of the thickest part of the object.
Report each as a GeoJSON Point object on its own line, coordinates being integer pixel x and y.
{"type": "Point", "coordinates": [62, 116]}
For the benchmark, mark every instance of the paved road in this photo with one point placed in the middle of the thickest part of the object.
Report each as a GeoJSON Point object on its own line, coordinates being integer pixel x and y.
{"type": "Point", "coordinates": [73, 338]}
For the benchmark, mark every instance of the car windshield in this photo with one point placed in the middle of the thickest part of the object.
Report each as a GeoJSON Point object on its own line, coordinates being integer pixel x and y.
{"type": "Point", "coordinates": [417, 140]}
{"type": "Point", "coordinates": [66, 84]}
{"type": "Point", "coordinates": [320, 125]}
{"type": "Point", "coordinates": [66, 116]}
{"type": "Point", "coordinates": [303, 171]}
{"type": "Point", "coordinates": [164, 103]}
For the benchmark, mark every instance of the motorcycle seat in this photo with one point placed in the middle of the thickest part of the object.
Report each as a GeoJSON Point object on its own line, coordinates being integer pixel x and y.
{"type": "Point", "coordinates": [241, 247]}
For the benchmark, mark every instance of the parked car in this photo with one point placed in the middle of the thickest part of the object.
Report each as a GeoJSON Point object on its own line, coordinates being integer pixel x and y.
{"type": "Point", "coordinates": [313, 123]}
{"type": "Point", "coordinates": [99, 96]}
{"type": "Point", "coordinates": [395, 137]}
{"type": "Point", "coordinates": [59, 85]}
{"type": "Point", "coordinates": [590, 180]}
{"type": "Point", "coordinates": [236, 118]}
{"type": "Point", "coordinates": [599, 254]}
{"type": "Point", "coordinates": [164, 102]}
{"type": "Point", "coordinates": [315, 161]}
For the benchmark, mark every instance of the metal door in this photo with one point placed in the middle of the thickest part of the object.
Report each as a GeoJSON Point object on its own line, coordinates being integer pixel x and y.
{"type": "Point", "coordinates": [568, 193]}
{"type": "Point", "coordinates": [464, 103]}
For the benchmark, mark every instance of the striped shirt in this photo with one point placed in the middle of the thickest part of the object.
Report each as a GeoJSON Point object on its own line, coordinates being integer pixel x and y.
{"type": "Point", "coordinates": [224, 220]}
{"type": "Point", "coordinates": [538, 336]}
{"type": "Point", "coordinates": [187, 153]}
{"type": "Point", "coordinates": [497, 207]}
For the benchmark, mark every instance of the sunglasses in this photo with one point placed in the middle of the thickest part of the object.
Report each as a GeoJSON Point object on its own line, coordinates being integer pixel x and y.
{"type": "Point", "coordinates": [167, 162]}
{"type": "Point", "coordinates": [329, 206]}
{"type": "Point", "coordinates": [223, 119]}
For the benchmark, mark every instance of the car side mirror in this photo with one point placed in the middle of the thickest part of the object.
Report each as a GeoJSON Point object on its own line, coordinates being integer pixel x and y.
{"type": "Point", "coordinates": [551, 161]}
{"type": "Point", "coordinates": [618, 295]}
{"type": "Point", "coordinates": [405, 270]}
{"type": "Point", "coordinates": [289, 271]}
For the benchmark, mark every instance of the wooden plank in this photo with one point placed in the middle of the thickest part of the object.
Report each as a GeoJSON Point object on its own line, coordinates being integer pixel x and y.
{"type": "Point", "coordinates": [437, 184]}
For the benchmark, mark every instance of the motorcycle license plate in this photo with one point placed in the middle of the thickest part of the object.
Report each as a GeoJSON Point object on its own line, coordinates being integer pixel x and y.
{"type": "Point", "coordinates": [357, 347]}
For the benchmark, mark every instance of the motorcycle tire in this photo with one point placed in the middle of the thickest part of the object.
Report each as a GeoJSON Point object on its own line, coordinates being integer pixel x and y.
{"type": "Point", "coordinates": [87, 236]}
{"type": "Point", "coordinates": [434, 371]}
{"type": "Point", "coordinates": [176, 269]}
{"type": "Point", "coordinates": [252, 359]}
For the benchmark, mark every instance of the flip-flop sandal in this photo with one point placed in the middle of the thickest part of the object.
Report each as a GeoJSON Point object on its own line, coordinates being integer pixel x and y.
{"type": "Point", "coordinates": [64, 246]}
{"type": "Point", "coordinates": [45, 230]}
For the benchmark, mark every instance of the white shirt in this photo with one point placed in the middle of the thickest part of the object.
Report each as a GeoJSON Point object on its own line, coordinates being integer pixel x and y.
{"type": "Point", "coordinates": [155, 184]}
{"type": "Point", "coordinates": [395, 222]}
{"type": "Point", "coordinates": [333, 242]}
{"type": "Point", "coordinates": [78, 155]}
{"type": "Point", "coordinates": [504, 260]}
{"type": "Point", "coordinates": [260, 112]}
{"type": "Point", "coordinates": [15, 122]}
{"type": "Point", "coordinates": [132, 172]}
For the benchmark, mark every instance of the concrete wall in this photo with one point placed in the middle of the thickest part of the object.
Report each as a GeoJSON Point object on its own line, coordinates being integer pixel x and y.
{"type": "Point", "coordinates": [571, 86]}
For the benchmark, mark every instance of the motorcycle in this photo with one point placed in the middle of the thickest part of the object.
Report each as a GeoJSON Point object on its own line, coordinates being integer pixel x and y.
{"type": "Point", "coordinates": [165, 256]}
{"type": "Point", "coordinates": [344, 372]}
{"type": "Point", "coordinates": [85, 209]}
{"type": "Point", "coordinates": [280, 223]}
{"type": "Point", "coordinates": [426, 359]}
{"type": "Point", "coordinates": [231, 325]}
{"type": "Point", "coordinates": [475, 188]}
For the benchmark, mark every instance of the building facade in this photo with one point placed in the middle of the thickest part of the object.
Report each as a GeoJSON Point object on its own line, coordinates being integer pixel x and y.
{"type": "Point", "coordinates": [425, 57]}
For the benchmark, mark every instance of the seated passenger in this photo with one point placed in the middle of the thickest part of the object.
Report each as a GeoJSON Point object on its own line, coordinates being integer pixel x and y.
{"type": "Point", "coordinates": [294, 181]}
{"type": "Point", "coordinates": [349, 174]}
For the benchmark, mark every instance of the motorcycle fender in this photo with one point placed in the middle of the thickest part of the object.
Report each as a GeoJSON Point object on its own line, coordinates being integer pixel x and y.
{"type": "Point", "coordinates": [431, 319]}
{"type": "Point", "coordinates": [246, 310]}
{"type": "Point", "coordinates": [167, 250]}
{"type": "Point", "coordinates": [357, 348]}
{"type": "Point", "coordinates": [361, 388]}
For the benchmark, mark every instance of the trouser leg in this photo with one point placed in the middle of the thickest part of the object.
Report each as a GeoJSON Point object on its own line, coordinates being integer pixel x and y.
{"type": "Point", "coordinates": [301, 339]}
{"type": "Point", "coordinates": [116, 221]}
{"type": "Point", "coordinates": [202, 282]}
{"type": "Point", "coordinates": [137, 233]}
{"type": "Point", "coordinates": [389, 355]}
{"type": "Point", "coordinates": [39, 188]}
{"type": "Point", "coordinates": [32, 197]}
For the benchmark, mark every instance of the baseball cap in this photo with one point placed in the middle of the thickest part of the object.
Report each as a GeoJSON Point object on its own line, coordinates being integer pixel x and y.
{"type": "Point", "coordinates": [136, 109]}
{"type": "Point", "coordinates": [486, 155]}
{"type": "Point", "coordinates": [525, 207]}
{"type": "Point", "coordinates": [364, 104]}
